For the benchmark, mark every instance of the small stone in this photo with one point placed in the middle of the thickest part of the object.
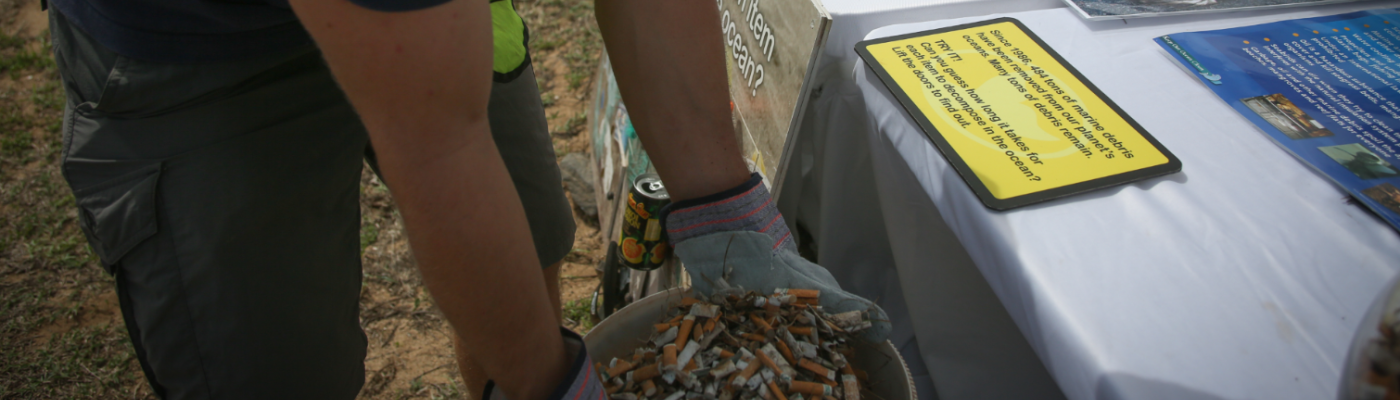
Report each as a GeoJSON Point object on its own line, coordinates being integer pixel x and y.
{"type": "Point", "coordinates": [574, 169]}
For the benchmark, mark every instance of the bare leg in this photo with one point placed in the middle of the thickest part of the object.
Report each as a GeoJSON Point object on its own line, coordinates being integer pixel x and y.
{"type": "Point", "coordinates": [668, 57]}
{"type": "Point", "coordinates": [472, 374]}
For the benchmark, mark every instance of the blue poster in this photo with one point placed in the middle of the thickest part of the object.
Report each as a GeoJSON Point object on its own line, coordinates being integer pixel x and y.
{"type": "Point", "coordinates": [1325, 88]}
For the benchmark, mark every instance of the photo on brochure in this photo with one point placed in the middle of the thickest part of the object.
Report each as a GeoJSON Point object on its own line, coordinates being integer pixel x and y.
{"type": "Point", "coordinates": [1386, 194]}
{"type": "Point", "coordinates": [1285, 116]}
{"type": "Point", "coordinates": [1360, 161]}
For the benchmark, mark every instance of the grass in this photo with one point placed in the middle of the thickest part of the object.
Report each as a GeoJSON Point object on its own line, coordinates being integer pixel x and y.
{"type": "Point", "coordinates": [55, 340]}
{"type": "Point", "coordinates": [23, 58]}
{"type": "Point", "coordinates": [61, 335]}
{"type": "Point", "coordinates": [577, 313]}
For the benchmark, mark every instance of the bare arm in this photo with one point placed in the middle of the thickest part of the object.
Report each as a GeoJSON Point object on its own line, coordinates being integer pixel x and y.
{"type": "Point", "coordinates": [420, 81]}
{"type": "Point", "coordinates": [669, 60]}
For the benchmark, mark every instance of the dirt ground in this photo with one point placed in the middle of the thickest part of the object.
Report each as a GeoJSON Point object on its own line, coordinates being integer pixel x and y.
{"type": "Point", "coordinates": [61, 332]}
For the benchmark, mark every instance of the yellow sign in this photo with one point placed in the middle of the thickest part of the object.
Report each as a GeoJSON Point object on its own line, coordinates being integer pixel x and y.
{"type": "Point", "coordinates": [1022, 122]}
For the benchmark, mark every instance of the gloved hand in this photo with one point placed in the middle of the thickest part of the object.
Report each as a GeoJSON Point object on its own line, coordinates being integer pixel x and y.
{"type": "Point", "coordinates": [737, 238]}
{"type": "Point", "coordinates": [580, 383]}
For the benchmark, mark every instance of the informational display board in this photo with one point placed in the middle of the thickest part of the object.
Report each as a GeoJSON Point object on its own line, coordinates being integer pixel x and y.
{"type": "Point", "coordinates": [771, 45]}
{"type": "Point", "coordinates": [1324, 88]}
{"type": "Point", "coordinates": [1016, 121]}
{"type": "Point", "coordinates": [1099, 10]}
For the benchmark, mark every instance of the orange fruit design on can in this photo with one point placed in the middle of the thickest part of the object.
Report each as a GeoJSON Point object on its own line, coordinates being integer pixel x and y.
{"type": "Point", "coordinates": [659, 253]}
{"type": "Point", "coordinates": [632, 251]}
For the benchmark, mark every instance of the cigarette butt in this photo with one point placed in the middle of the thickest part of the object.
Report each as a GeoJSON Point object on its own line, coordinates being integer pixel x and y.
{"type": "Point", "coordinates": [690, 366]}
{"type": "Point", "coordinates": [732, 318]}
{"type": "Point", "coordinates": [799, 330]}
{"type": "Point", "coordinates": [669, 356]}
{"type": "Point", "coordinates": [768, 361]}
{"type": "Point", "coordinates": [676, 319]}
{"type": "Point", "coordinates": [787, 353]}
{"type": "Point", "coordinates": [686, 325]}
{"type": "Point", "coordinates": [662, 327]}
{"type": "Point", "coordinates": [808, 293]}
{"type": "Point", "coordinates": [847, 370]}
{"type": "Point", "coordinates": [648, 388]}
{"type": "Point", "coordinates": [688, 301]}
{"type": "Point", "coordinates": [646, 372]}
{"type": "Point", "coordinates": [755, 337]}
{"type": "Point", "coordinates": [816, 368]}
{"type": "Point", "coordinates": [687, 354]}
{"type": "Point", "coordinates": [726, 353]}
{"type": "Point", "coordinates": [621, 367]}
{"type": "Point", "coordinates": [746, 374]}
{"type": "Point", "coordinates": [828, 382]}
{"type": "Point", "coordinates": [729, 340]}
{"type": "Point", "coordinates": [710, 324]}
{"type": "Point", "coordinates": [773, 388]}
{"type": "Point", "coordinates": [772, 308]}
{"type": "Point", "coordinates": [851, 387]}
{"type": "Point", "coordinates": [760, 322]}
{"type": "Point", "coordinates": [723, 370]}
{"type": "Point", "coordinates": [810, 388]}
{"type": "Point", "coordinates": [834, 327]}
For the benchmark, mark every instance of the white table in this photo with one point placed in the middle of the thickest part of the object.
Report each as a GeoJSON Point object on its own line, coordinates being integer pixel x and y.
{"type": "Point", "coordinates": [1241, 277]}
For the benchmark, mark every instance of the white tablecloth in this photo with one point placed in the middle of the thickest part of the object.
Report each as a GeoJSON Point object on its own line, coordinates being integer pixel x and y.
{"type": "Point", "coordinates": [1242, 277]}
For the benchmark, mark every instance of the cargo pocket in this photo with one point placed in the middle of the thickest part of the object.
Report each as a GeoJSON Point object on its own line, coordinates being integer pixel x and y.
{"type": "Point", "coordinates": [118, 213]}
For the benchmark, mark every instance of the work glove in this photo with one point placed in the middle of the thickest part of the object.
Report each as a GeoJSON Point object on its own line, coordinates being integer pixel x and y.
{"type": "Point", "coordinates": [580, 383]}
{"type": "Point", "coordinates": [738, 239]}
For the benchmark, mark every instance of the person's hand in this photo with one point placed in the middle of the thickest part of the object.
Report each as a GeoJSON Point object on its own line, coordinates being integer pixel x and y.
{"type": "Point", "coordinates": [747, 260]}
{"type": "Point", "coordinates": [737, 239]}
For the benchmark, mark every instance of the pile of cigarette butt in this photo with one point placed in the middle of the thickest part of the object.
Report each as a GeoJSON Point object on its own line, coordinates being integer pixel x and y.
{"type": "Point", "coordinates": [743, 346]}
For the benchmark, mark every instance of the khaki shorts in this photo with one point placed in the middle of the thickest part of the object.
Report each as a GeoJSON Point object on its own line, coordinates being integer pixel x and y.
{"type": "Point", "coordinates": [223, 197]}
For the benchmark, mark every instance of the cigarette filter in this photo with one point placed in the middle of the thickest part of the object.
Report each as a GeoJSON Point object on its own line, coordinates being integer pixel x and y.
{"type": "Point", "coordinates": [747, 373]}
{"type": "Point", "coordinates": [816, 368]}
{"type": "Point", "coordinates": [646, 372]}
{"type": "Point", "coordinates": [773, 387]}
{"type": "Point", "coordinates": [851, 387]}
{"type": "Point", "coordinates": [724, 369]}
{"type": "Point", "coordinates": [787, 352]}
{"type": "Point", "coordinates": [669, 357]}
{"type": "Point", "coordinates": [686, 325]}
{"type": "Point", "coordinates": [619, 367]}
{"type": "Point", "coordinates": [807, 293]}
{"type": "Point", "coordinates": [800, 330]}
{"type": "Point", "coordinates": [760, 322]}
{"type": "Point", "coordinates": [767, 361]}
{"type": "Point", "coordinates": [810, 388]}
{"type": "Point", "coordinates": [648, 388]}
{"type": "Point", "coordinates": [676, 396]}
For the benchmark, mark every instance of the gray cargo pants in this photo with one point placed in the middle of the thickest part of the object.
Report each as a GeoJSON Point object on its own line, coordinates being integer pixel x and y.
{"type": "Point", "coordinates": [223, 197]}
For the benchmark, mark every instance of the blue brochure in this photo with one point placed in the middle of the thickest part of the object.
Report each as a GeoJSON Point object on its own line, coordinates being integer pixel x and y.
{"type": "Point", "coordinates": [1324, 88]}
